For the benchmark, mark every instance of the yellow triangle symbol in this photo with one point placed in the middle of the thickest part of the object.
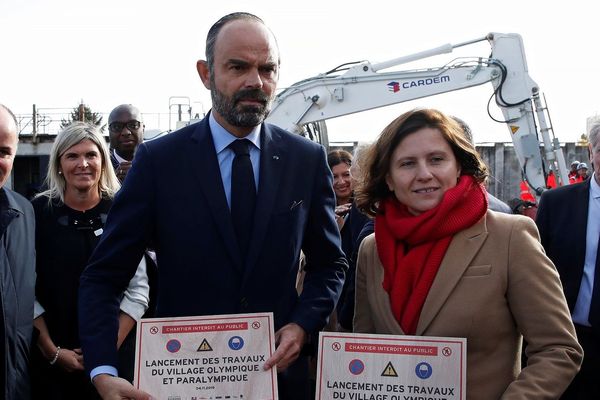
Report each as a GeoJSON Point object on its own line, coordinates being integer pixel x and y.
{"type": "Point", "coordinates": [389, 370]}
{"type": "Point", "coordinates": [514, 128]}
{"type": "Point", "coordinates": [204, 346]}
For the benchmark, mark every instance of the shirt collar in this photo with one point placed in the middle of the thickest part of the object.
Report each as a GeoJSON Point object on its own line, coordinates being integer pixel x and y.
{"type": "Point", "coordinates": [118, 157]}
{"type": "Point", "coordinates": [222, 138]}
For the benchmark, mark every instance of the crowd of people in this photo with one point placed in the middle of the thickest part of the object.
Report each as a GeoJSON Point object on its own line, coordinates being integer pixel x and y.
{"type": "Point", "coordinates": [401, 238]}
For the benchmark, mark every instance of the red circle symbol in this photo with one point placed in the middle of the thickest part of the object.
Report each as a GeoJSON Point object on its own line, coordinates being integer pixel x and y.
{"type": "Point", "coordinates": [336, 346]}
{"type": "Point", "coordinates": [256, 325]}
{"type": "Point", "coordinates": [447, 351]}
{"type": "Point", "coordinates": [154, 330]}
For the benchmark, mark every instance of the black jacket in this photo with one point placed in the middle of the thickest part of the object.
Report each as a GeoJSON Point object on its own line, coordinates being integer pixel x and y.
{"type": "Point", "coordinates": [17, 288]}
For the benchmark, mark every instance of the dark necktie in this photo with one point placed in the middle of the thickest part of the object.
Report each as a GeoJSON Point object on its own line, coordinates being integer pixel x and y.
{"type": "Point", "coordinates": [243, 194]}
{"type": "Point", "coordinates": [594, 317]}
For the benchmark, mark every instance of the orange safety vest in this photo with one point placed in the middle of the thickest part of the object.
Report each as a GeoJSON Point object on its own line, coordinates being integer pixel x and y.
{"type": "Point", "coordinates": [551, 181]}
{"type": "Point", "coordinates": [525, 193]}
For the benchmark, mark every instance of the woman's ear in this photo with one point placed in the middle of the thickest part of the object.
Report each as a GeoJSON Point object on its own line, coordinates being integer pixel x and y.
{"type": "Point", "coordinates": [389, 182]}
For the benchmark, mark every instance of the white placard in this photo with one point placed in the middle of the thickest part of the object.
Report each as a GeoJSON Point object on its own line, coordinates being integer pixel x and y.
{"type": "Point", "coordinates": [384, 367]}
{"type": "Point", "coordinates": [208, 357]}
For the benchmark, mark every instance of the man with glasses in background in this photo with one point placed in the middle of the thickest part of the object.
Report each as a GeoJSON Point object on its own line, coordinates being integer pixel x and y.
{"type": "Point", "coordinates": [126, 132]}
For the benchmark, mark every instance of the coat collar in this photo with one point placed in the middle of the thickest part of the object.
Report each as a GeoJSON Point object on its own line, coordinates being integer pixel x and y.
{"type": "Point", "coordinates": [460, 253]}
{"type": "Point", "coordinates": [13, 204]}
{"type": "Point", "coordinates": [463, 248]}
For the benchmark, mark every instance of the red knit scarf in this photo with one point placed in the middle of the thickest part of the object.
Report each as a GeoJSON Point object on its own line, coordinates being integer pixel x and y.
{"type": "Point", "coordinates": [411, 248]}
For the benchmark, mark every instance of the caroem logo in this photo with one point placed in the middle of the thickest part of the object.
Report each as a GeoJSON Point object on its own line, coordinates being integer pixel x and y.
{"type": "Point", "coordinates": [395, 86]}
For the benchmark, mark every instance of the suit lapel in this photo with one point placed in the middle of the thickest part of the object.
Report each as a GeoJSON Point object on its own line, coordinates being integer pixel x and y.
{"type": "Point", "coordinates": [205, 166]}
{"type": "Point", "coordinates": [113, 160]}
{"type": "Point", "coordinates": [581, 205]}
{"type": "Point", "coordinates": [462, 250]}
{"type": "Point", "coordinates": [272, 164]}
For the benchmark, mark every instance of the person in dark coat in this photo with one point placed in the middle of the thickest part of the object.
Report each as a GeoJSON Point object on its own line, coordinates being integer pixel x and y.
{"type": "Point", "coordinates": [568, 219]}
{"type": "Point", "coordinates": [228, 228]}
{"type": "Point", "coordinates": [346, 174]}
{"type": "Point", "coordinates": [17, 272]}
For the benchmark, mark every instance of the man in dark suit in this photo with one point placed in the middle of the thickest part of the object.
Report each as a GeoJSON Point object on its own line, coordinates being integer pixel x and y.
{"type": "Point", "coordinates": [208, 263]}
{"type": "Point", "coordinates": [569, 222]}
{"type": "Point", "coordinates": [126, 133]}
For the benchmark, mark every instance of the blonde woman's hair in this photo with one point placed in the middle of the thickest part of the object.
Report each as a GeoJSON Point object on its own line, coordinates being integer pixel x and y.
{"type": "Point", "coordinates": [72, 135]}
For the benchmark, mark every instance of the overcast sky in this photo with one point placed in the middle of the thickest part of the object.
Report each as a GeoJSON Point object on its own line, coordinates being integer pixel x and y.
{"type": "Point", "coordinates": [56, 53]}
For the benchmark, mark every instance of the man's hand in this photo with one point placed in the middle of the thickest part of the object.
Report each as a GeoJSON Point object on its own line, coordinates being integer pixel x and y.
{"type": "Point", "coordinates": [340, 214]}
{"type": "Point", "coordinates": [70, 360]}
{"type": "Point", "coordinates": [113, 388]}
{"type": "Point", "coordinates": [289, 341]}
{"type": "Point", "coordinates": [122, 169]}
{"type": "Point", "coordinates": [343, 209]}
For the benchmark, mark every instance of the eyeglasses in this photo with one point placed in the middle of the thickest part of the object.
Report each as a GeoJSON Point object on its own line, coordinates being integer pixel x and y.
{"type": "Point", "coordinates": [118, 126]}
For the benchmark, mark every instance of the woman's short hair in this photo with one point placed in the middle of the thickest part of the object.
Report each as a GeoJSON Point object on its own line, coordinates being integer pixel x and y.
{"type": "Point", "coordinates": [73, 134]}
{"type": "Point", "coordinates": [376, 167]}
{"type": "Point", "coordinates": [338, 156]}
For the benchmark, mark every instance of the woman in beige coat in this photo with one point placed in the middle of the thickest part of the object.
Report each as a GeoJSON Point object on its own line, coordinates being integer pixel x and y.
{"type": "Point", "coordinates": [441, 264]}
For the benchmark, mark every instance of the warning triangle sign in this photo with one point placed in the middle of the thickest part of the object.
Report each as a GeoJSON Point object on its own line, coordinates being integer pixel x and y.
{"type": "Point", "coordinates": [389, 370]}
{"type": "Point", "coordinates": [204, 346]}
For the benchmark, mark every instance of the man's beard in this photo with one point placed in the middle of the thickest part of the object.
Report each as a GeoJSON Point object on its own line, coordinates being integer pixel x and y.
{"type": "Point", "coordinates": [246, 116]}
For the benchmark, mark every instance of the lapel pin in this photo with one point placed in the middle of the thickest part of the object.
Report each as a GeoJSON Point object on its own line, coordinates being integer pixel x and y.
{"type": "Point", "coordinates": [275, 157]}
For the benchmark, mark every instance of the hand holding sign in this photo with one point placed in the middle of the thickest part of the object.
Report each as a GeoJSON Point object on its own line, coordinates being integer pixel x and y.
{"type": "Point", "coordinates": [289, 341]}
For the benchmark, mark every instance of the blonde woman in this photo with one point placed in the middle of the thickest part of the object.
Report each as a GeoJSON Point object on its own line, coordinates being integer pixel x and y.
{"type": "Point", "coordinates": [70, 216]}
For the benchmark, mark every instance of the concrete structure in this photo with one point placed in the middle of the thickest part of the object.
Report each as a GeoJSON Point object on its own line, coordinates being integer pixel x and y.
{"type": "Point", "coordinates": [505, 172]}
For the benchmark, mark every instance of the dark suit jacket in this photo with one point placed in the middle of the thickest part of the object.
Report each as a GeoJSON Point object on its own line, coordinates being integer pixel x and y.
{"type": "Point", "coordinates": [562, 221]}
{"type": "Point", "coordinates": [17, 292]}
{"type": "Point", "coordinates": [173, 197]}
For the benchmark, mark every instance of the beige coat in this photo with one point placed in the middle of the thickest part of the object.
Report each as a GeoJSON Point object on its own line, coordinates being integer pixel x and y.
{"type": "Point", "coordinates": [494, 284]}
